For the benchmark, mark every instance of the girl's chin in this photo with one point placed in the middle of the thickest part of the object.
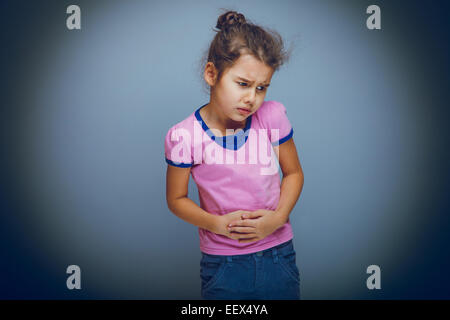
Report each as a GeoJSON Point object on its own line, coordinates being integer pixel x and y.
{"type": "Point", "coordinates": [237, 121]}
{"type": "Point", "coordinates": [239, 118]}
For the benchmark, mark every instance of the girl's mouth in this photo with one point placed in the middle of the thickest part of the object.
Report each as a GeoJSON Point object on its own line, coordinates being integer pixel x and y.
{"type": "Point", "coordinates": [243, 111]}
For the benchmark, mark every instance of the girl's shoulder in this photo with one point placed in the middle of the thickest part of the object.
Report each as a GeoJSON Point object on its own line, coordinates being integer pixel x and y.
{"type": "Point", "coordinates": [272, 115]}
{"type": "Point", "coordinates": [271, 106]}
{"type": "Point", "coordinates": [178, 143]}
{"type": "Point", "coordinates": [271, 111]}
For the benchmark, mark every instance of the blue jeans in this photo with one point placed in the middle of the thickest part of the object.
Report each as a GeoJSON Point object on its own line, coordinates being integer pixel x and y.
{"type": "Point", "coordinates": [271, 274]}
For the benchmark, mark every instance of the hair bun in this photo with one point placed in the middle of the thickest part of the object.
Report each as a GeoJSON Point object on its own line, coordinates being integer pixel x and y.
{"type": "Point", "coordinates": [229, 19]}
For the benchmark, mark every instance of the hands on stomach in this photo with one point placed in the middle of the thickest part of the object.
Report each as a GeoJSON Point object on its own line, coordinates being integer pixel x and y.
{"type": "Point", "coordinates": [247, 226]}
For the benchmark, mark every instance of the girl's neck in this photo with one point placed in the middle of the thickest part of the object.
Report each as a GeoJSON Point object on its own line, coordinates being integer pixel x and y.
{"type": "Point", "coordinates": [215, 119]}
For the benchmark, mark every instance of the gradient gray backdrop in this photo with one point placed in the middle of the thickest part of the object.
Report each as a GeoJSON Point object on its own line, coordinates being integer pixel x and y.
{"type": "Point", "coordinates": [84, 114]}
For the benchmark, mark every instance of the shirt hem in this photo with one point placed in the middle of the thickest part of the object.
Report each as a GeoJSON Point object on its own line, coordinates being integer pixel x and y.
{"type": "Point", "coordinates": [226, 252]}
{"type": "Point", "coordinates": [283, 140]}
{"type": "Point", "coordinates": [179, 164]}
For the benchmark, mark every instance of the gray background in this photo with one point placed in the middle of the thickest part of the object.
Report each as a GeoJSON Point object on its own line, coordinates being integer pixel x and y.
{"type": "Point", "coordinates": [84, 114]}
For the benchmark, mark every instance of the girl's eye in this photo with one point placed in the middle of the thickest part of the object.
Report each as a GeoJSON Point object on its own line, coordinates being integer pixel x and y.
{"type": "Point", "coordinates": [244, 84]}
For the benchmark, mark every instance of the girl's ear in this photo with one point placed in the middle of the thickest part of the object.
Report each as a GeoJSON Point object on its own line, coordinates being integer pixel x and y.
{"type": "Point", "coordinates": [210, 74]}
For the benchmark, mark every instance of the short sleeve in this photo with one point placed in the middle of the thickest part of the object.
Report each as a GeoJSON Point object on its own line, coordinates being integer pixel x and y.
{"type": "Point", "coordinates": [279, 127]}
{"type": "Point", "coordinates": [177, 147]}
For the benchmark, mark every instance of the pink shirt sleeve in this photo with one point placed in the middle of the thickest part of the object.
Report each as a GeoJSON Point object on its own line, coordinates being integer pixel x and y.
{"type": "Point", "coordinates": [177, 147]}
{"type": "Point", "coordinates": [277, 123]}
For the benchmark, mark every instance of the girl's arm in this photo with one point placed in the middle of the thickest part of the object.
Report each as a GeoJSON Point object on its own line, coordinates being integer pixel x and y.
{"type": "Point", "coordinates": [292, 182]}
{"type": "Point", "coordinates": [268, 221]}
{"type": "Point", "coordinates": [177, 181]}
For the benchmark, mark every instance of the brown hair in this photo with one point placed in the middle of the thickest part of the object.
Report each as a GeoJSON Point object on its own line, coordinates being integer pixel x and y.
{"type": "Point", "coordinates": [237, 36]}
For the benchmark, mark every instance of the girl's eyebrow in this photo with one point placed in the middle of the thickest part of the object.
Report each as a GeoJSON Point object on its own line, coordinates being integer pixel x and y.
{"type": "Point", "coordinates": [265, 84]}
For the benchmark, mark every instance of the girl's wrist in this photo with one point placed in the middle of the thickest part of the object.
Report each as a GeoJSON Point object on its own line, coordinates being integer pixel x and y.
{"type": "Point", "coordinates": [214, 224]}
{"type": "Point", "coordinates": [281, 218]}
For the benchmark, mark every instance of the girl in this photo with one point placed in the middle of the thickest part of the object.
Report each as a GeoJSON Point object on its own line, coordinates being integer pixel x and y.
{"type": "Point", "coordinates": [243, 218]}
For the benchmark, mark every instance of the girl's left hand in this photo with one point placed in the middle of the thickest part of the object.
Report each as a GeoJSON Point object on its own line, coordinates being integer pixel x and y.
{"type": "Point", "coordinates": [255, 225]}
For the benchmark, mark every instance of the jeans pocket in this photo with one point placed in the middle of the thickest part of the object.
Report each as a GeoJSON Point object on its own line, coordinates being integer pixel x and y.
{"type": "Point", "coordinates": [211, 269]}
{"type": "Point", "coordinates": [288, 263]}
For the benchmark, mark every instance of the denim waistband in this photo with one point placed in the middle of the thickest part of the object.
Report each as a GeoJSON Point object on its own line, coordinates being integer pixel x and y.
{"type": "Point", "coordinates": [285, 246]}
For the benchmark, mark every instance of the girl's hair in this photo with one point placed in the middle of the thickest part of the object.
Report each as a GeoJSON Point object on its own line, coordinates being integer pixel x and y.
{"type": "Point", "coordinates": [237, 36]}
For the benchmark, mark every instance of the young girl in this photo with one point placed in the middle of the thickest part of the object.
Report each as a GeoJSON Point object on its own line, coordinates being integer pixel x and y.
{"type": "Point", "coordinates": [232, 146]}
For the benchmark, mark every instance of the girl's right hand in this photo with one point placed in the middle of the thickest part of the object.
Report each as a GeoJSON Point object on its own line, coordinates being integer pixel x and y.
{"type": "Point", "coordinates": [222, 222]}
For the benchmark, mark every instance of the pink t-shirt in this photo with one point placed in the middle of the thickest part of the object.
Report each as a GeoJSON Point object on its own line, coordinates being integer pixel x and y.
{"type": "Point", "coordinates": [237, 172]}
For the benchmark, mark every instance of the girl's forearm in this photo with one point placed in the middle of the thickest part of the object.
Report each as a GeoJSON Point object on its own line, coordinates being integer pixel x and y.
{"type": "Point", "coordinates": [189, 211]}
{"type": "Point", "coordinates": [291, 188]}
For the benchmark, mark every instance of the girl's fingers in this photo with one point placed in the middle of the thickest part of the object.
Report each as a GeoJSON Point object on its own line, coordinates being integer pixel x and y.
{"type": "Point", "coordinates": [242, 229]}
{"type": "Point", "coordinates": [252, 215]}
{"type": "Point", "coordinates": [243, 223]}
{"type": "Point", "coordinates": [240, 236]}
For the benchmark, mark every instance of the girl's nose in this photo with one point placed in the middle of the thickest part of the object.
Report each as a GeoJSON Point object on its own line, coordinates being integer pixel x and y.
{"type": "Point", "coordinates": [250, 97]}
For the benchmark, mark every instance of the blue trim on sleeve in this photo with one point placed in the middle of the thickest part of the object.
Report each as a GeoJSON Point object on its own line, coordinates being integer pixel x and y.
{"type": "Point", "coordinates": [284, 139]}
{"type": "Point", "coordinates": [179, 164]}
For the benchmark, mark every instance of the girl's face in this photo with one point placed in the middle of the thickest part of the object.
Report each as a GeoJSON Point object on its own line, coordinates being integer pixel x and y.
{"type": "Point", "coordinates": [241, 89]}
